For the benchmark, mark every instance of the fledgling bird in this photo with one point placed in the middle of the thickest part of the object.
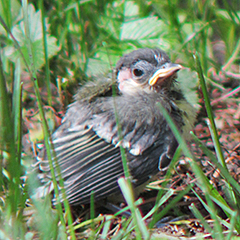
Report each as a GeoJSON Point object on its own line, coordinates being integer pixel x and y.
{"type": "Point", "coordinates": [87, 143]}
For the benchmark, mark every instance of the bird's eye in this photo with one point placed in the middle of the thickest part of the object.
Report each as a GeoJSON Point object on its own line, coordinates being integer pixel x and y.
{"type": "Point", "coordinates": [138, 72]}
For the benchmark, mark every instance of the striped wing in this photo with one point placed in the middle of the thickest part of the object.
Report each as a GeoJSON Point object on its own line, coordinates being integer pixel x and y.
{"type": "Point", "coordinates": [87, 163]}
{"type": "Point", "coordinates": [88, 153]}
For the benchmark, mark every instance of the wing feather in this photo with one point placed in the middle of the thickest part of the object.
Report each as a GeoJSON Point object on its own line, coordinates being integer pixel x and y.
{"type": "Point", "coordinates": [88, 150]}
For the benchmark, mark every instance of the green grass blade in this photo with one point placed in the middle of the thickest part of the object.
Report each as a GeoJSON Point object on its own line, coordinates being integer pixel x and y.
{"type": "Point", "coordinates": [47, 71]}
{"type": "Point", "coordinates": [209, 111]}
{"type": "Point", "coordinates": [170, 205]}
{"type": "Point", "coordinates": [17, 109]}
{"type": "Point", "coordinates": [217, 231]}
{"type": "Point", "coordinates": [199, 216]}
{"type": "Point", "coordinates": [158, 204]}
{"type": "Point", "coordinates": [141, 229]}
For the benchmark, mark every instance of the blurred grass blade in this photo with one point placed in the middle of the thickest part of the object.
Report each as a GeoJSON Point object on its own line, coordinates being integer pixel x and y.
{"type": "Point", "coordinates": [47, 71]}
{"type": "Point", "coordinates": [199, 216]}
{"type": "Point", "coordinates": [141, 229]}
{"type": "Point", "coordinates": [89, 221]}
{"type": "Point", "coordinates": [6, 5]}
{"type": "Point", "coordinates": [233, 57]}
{"type": "Point", "coordinates": [8, 145]}
{"type": "Point", "coordinates": [170, 205]}
{"type": "Point", "coordinates": [137, 203]}
{"type": "Point", "coordinates": [17, 109]}
{"type": "Point", "coordinates": [159, 203]}
{"type": "Point", "coordinates": [232, 224]}
{"type": "Point", "coordinates": [14, 201]}
{"type": "Point", "coordinates": [106, 227]}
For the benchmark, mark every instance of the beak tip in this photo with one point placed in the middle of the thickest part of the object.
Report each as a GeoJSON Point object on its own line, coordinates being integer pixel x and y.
{"type": "Point", "coordinates": [164, 73]}
{"type": "Point", "coordinates": [180, 67]}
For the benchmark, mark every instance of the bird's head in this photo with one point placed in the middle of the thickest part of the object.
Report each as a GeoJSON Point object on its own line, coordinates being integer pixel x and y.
{"type": "Point", "coordinates": [146, 69]}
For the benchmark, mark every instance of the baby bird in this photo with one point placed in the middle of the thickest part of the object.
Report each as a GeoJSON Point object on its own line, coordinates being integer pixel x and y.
{"type": "Point", "coordinates": [87, 144]}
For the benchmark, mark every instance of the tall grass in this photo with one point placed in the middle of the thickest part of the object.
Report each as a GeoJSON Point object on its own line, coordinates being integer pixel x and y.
{"type": "Point", "coordinates": [69, 41]}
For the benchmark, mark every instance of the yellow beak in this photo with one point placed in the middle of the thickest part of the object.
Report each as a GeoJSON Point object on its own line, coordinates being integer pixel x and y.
{"type": "Point", "coordinates": [163, 73]}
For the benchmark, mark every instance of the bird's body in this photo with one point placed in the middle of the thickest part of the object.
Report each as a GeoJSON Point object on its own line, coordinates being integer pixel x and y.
{"type": "Point", "coordinates": [87, 144]}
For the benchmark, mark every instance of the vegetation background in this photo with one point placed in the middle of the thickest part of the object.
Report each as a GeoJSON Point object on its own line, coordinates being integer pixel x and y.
{"type": "Point", "coordinates": [49, 48]}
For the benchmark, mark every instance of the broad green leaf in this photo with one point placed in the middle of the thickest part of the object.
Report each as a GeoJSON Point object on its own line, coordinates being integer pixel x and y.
{"type": "Point", "coordinates": [14, 10]}
{"type": "Point", "coordinates": [36, 35]}
{"type": "Point", "coordinates": [38, 53]}
{"type": "Point", "coordinates": [145, 28]}
{"type": "Point", "coordinates": [146, 32]}
{"type": "Point", "coordinates": [35, 26]}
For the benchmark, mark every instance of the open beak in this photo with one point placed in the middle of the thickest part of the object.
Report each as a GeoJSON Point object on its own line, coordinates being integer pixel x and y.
{"type": "Point", "coordinates": [163, 73]}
